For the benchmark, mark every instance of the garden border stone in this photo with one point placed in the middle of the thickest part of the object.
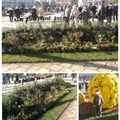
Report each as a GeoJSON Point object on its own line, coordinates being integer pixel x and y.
{"type": "Point", "coordinates": [70, 60]}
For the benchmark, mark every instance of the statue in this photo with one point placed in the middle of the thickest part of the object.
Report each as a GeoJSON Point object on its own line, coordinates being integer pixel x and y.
{"type": "Point", "coordinates": [39, 7]}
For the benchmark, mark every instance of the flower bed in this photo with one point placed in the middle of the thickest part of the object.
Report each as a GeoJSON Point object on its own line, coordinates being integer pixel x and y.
{"type": "Point", "coordinates": [60, 40]}
{"type": "Point", "coordinates": [31, 102]}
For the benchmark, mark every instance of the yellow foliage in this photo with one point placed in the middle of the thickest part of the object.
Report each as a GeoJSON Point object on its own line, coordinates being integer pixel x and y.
{"type": "Point", "coordinates": [107, 83]}
{"type": "Point", "coordinates": [81, 97]}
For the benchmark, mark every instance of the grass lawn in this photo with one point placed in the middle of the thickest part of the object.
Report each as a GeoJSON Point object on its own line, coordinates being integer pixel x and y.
{"type": "Point", "coordinates": [109, 116]}
{"type": "Point", "coordinates": [54, 112]}
{"type": "Point", "coordinates": [37, 57]}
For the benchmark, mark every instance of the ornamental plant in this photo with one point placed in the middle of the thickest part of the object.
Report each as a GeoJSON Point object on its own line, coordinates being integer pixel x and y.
{"type": "Point", "coordinates": [59, 40]}
{"type": "Point", "coordinates": [107, 83]}
{"type": "Point", "coordinates": [81, 97]}
{"type": "Point", "coordinates": [30, 102]}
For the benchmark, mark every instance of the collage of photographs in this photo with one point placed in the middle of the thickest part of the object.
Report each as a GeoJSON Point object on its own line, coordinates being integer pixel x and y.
{"type": "Point", "coordinates": [60, 60]}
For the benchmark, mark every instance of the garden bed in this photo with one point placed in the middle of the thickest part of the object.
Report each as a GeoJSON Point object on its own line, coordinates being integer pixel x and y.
{"type": "Point", "coordinates": [59, 108]}
{"type": "Point", "coordinates": [51, 40]}
{"type": "Point", "coordinates": [30, 103]}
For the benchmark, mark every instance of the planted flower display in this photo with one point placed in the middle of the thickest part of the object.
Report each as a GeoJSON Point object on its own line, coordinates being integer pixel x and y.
{"type": "Point", "coordinates": [29, 103]}
{"type": "Point", "coordinates": [108, 85]}
{"type": "Point", "coordinates": [60, 40]}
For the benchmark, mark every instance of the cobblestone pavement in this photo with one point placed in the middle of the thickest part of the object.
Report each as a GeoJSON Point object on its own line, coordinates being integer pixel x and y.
{"type": "Point", "coordinates": [70, 112]}
{"type": "Point", "coordinates": [88, 66]}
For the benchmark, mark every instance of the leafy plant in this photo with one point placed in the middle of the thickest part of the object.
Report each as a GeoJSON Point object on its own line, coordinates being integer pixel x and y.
{"type": "Point", "coordinates": [32, 101]}
{"type": "Point", "coordinates": [58, 40]}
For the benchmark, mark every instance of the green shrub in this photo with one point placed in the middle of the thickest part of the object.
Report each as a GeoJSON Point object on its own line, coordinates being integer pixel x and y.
{"type": "Point", "coordinates": [5, 107]}
{"type": "Point", "coordinates": [32, 101]}
{"type": "Point", "coordinates": [56, 39]}
{"type": "Point", "coordinates": [59, 81]}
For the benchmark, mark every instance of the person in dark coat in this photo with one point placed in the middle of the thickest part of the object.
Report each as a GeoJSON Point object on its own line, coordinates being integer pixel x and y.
{"type": "Point", "coordinates": [80, 8]}
{"type": "Point", "coordinates": [107, 10]}
{"type": "Point", "coordinates": [73, 75]}
{"type": "Point", "coordinates": [86, 86]}
{"type": "Point", "coordinates": [102, 14]}
{"type": "Point", "coordinates": [115, 12]}
{"type": "Point", "coordinates": [10, 13]}
{"type": "Point", "coordinates": [110, 13]}
{"type": "Point", "coordinates": [98, 102]}
{"type": "Point", "coordinates": [18, 13]}
{"type": "Point", "coordinates": [34, 13]}
{"type": "Point", "coordinates": [85, 14]}
{"type": "Point", "coordinates": [94, 10]}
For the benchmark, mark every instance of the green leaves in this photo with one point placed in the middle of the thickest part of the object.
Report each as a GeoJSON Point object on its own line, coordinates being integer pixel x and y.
{"type": "Point", "coordinates": [58, 40]}
{"type": "Point", "coordinates": [33, 101]}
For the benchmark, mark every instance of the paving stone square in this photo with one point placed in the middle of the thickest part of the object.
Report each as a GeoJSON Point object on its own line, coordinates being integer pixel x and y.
{"type": "Point", "coordinates": [94, 66]}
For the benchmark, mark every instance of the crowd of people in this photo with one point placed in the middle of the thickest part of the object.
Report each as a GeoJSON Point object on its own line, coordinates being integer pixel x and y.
{"type": "Point", "coordinates": [75, 12]}
{"type": "Point", "coordinates": [17, 12]}
{"type": "Point", "coordinates": [101, 12]}
{"type": "Point", "coordinates": [84, 86]}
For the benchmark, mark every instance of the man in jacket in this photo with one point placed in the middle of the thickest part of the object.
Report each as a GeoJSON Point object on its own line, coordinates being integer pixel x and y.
{"type": "Point", "coordinates": [94, 10]}
{"type": "Point", "coordinates": [102, 14]}
{"type": "Point", "coordinates": [98, 102]}
{"type": "Point", "coordinates": [34, 13]}
{"type": "Point", "coordinates": [18, 13]}
{"type": "Point", "coordinates": [110, 13]}
{"type": "Point", "coordinates": [10, 12]}
{"type": "Point", "coordinates": [115, 12]}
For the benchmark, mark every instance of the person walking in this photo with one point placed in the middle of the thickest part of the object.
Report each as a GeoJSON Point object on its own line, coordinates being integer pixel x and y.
{"type": "Point", "coordinates": [115, 12]}
{"type": "Point", "coordinates": [85, 13]}
{"type": "Point", "coordinates": [98, 102]}
{"type": "Point", "coordinates": [18, 13]}
{"type": "Point", "coordinates": [10, 13]}
{"type": "Point", "coordinates": [73, 75]}
{"type": "Point", "coordinates": [34, 13]}
{"type": "Point", "coordinates": [110, 13]}
{"type": "Point", "coordinates": [94, 10]}
{"type": "Point", "coordinates": [106, 11]}
{"type": "Point", "coordinates": [67, 15]}
{"type": "Point", "coordinates": [86, 86]}
{"type": "Point", "coordinates": [102, 14]}
{"type": "Point", "coordinates": [75, 14]}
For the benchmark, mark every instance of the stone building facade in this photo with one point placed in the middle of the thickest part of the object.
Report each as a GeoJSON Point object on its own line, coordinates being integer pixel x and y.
{"type": "Point", "coordinates": [86, 2]}
{"type": "Point", "coordinates": [14, 3]}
